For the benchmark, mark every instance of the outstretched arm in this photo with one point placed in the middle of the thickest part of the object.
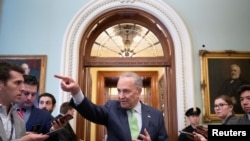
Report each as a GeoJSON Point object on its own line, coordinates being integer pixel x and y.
{"type": "Point", "coordinates": [68, 84]}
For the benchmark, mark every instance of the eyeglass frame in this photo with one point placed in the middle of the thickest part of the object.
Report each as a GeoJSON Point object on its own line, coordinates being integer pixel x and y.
{"type": "Point", "coordinates": [220, 105]}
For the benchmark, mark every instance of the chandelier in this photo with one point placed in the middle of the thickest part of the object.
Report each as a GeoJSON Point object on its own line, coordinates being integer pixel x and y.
{"type": "Point", "coordinates": [127, 32]}
{"type": "Point", "coordinates": [126, 40]}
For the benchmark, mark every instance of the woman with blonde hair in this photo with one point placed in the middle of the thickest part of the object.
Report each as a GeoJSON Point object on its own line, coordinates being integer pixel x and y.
{"type": "Point", "coordinates": [223, 107]}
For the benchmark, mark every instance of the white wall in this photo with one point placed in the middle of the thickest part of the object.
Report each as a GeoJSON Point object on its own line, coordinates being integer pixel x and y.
{"type": "Point", "coordinates": [219, 25]}
{"type": "Point", "coordinates": [37, 27]}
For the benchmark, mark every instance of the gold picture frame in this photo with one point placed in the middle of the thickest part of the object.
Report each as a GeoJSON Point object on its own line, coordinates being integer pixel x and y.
{"type": "Point", "coordinates": [215, 74]}
{"type": "Point", "coordinates": [36, 63]}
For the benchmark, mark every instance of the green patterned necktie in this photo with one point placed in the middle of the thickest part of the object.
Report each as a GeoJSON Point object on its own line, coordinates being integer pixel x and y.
{"type": "Point", "coordinates": [133, 125]}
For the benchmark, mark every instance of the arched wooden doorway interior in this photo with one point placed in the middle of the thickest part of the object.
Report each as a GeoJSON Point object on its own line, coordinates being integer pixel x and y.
{"type": "Point", "coordinates": [88, 58]}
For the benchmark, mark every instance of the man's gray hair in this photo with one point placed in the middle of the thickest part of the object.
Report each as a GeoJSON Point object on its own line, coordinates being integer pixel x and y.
{"type": "Point", "coordinates": [136, 77]}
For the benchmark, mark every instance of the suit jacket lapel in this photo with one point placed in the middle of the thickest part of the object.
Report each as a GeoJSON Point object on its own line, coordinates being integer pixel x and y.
{"type": "Point", "coordinates": [2, 131]}
{"type": "Point", "coordinates": [145, 117]}
{"type": "Point", "coordinates": [19, 125]}
{"type": "Point", "coordinates": [30, 120]}
{"type": "Point", "coordinates": [124, 120]}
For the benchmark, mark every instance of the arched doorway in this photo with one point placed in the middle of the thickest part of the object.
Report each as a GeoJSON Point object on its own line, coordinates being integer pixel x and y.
{"type": "Point", "coordinates": [100, 47]}
{"type": "Point", "coordinates": [77, 68]}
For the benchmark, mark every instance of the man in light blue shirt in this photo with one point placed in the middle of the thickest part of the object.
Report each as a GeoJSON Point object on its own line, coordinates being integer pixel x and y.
{"type": "Point", "coordinates": [11, 86]}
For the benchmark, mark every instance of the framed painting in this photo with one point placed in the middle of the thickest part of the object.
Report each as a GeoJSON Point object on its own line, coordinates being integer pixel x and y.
{"type": "Point", "coordinates": [32, 64]}
{"type": "Point", "coordinates": [222, 72]}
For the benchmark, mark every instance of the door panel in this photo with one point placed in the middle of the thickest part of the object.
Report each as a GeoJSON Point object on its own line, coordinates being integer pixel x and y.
{"type": "Point", "coordinates": [82, 125]}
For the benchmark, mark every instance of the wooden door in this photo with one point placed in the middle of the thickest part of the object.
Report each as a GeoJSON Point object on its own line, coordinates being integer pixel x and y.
{"type": "Point", "coordinates": [82, 125]}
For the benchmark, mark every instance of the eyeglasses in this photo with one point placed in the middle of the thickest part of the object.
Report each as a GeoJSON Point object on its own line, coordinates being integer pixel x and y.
{"type": "Point", "coordinates": [220, 105]}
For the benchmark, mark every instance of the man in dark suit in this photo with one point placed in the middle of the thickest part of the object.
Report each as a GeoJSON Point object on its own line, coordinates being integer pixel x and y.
{"type": "Point", "coordinates": [231, 85]}
{"type": "Point", "coordinates": [148, 123]}
{"type": "Point", "coordinates": [67, 133]}
{"type": "Point", "coordinates": [36, 120]}
{"type": "Point", "coordinates": [32, 115]}
{"type": "Point", "coordinates": [244, 93]}
{"type": "Point", "coordinates": [32, 72]}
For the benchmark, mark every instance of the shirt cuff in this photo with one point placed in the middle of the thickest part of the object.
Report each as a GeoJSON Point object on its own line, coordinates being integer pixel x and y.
{"type": "Point", "coordinates": [78, 98]}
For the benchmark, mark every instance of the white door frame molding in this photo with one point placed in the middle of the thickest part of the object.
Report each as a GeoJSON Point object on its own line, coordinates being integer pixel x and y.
{"type": "Point", "coordinates": [158, 8]}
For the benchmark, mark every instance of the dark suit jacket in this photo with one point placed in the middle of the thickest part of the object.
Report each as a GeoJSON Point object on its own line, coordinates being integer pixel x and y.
{"type": "Point", "coordinates": [244, 120]}
{"type": "Point", "coordinates": [67, 134]}
{"type": "Point", "coordinates": [231, 90]}
{"type": "Point", "coordinates": [184, 137]}
{"type": "Point", "coordinates": [41, 117]}
{"type": "Point", "coordinates": [231, 120]}
{"type": "Point", "coordinates": [115, 119]}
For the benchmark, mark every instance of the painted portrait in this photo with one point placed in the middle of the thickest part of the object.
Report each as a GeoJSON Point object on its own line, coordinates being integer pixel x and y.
{"type": "Point", "coordinates": [32, 65]}
{"type": "Point", "coordinates": [223, 73]}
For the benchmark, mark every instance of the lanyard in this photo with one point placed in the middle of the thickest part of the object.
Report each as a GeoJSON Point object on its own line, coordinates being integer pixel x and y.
{"type": "Point", "coordinates": [12, 127]}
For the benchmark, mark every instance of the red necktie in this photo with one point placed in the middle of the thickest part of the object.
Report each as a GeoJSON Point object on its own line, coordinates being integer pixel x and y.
{"type": "Point", "coordinates": [20, 113]}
